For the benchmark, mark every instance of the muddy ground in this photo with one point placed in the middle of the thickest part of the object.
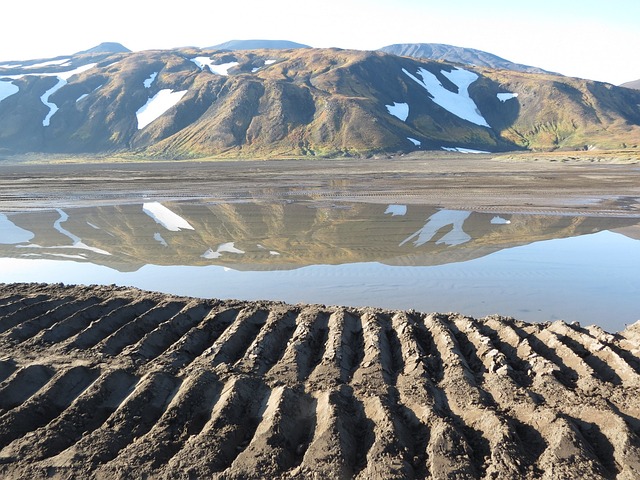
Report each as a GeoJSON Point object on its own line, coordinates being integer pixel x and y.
{"type": "Point", "coordinates": [112, 382]}
{"type": "Point", "coordinates": [606, 184]}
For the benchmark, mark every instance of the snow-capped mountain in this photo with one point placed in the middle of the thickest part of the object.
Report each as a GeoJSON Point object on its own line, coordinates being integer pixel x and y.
{"type": "Point", "coordinates": [189, 102]}
{"type": "Point", "coordinates": [453, 54]}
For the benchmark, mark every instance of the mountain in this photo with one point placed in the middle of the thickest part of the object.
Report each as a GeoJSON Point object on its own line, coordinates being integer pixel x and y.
{"type": "Point", "coordinates": [258, 44]}
{"type": "Point", "coordinates": [106, 47]}
{"type": "Point", "coordinates": [634, 84]}
{"type": "Point", "coordinates": [192, 103]}
{"type": "Point", "coordinates": [450, 53]}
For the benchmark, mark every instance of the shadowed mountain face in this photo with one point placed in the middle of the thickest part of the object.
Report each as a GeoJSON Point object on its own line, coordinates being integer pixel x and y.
{"type": "Point", "coordinates": [276, 236]}
{"type": "Point", "coordinates": [453, 54]}
{"type": "Point", "coordinates": [192, 103]}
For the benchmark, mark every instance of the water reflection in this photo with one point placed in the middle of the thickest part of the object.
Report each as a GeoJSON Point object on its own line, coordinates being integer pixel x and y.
{"type": "Point", "coordinates": [534, 267]}
{"type": "Point", "coordinates": [273, 236]}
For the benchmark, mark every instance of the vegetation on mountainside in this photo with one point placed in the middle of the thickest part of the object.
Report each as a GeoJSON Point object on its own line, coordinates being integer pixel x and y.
{"type": "Point", "coordinates": [304, 102]}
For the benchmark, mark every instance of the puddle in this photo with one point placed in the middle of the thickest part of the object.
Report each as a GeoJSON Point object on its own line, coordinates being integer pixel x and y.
{"type": "Point", "coordinates": [532, 267]}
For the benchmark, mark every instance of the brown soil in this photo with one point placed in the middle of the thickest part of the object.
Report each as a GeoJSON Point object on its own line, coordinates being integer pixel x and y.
{"type": "Point", "coordinates": [108, 382]}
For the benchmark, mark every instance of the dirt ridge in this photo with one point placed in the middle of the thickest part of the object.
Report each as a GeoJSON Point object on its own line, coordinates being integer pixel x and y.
{"type": "Point", "coordinates": [115, 382]}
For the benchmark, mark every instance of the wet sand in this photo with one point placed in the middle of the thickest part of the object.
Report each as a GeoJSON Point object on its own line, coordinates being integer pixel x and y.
{"type": "Point", "coordinates": [577, 184]}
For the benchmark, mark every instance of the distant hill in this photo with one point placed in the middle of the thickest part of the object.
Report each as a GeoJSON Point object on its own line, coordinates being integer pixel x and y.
{"type": "Point", "coordinates": [192, 103]}
{"type": "Point", "coordinates": [634, 84]}
{"type": "Point", "coordinates": [450, 53]}
{"type": "Point", "coordinates": [257, 45]}
{"type": "Point", "coordinates": [106, 47]}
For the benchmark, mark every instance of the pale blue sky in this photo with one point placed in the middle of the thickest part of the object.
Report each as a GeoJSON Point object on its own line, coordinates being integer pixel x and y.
{"type": "Point", "coordinates": [590, 39]}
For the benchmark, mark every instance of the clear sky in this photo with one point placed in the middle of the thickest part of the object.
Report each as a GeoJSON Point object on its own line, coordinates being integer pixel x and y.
{"type": "Point", "coordinates": [592, 39]}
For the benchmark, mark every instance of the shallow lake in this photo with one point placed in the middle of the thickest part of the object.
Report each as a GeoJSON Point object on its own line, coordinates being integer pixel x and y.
{"type": "Point", "coordinates": [534, 267]}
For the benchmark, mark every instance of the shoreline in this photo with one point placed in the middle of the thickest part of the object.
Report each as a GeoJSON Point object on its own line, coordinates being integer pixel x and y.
{"type": "Point", "coordinates": [116, 382]}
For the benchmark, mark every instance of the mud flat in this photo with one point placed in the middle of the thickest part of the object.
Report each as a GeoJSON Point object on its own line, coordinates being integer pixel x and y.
{"type": "Point", "coordinates": [577, 183]}
{"type": "Point", "coordinates": [113, 382]}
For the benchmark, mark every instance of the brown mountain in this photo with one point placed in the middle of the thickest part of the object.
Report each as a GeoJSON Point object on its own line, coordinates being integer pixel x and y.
{"type": "Point", "coordinates": [301, 102]}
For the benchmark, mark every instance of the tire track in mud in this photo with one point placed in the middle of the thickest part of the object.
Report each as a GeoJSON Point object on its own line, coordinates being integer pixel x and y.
{"type": "Point", "coordinates": [113, 382]}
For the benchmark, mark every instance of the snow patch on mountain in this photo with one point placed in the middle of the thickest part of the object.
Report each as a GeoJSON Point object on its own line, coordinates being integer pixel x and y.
{"type": "Point", "coordinates": [222, 69]}
{"type": "Point", "coordinates": [463, 150]}
{"type": "Point", "coordinates": [157, 105]}
{"type": "Point", "coordinates": [61, 62]}
{"type": "Point", "coordinates": [399, 110]}
{"type": "Point", "coordinates": [62, 81]}
{"type": "Point", "coordinates": [417, 143]}
{"type": "Point", "coordinates": [7, 88]}
{"type": "Point", "coordinates": [149, 81]}
{"type": "Point", "coordinates": [503, 97]}
{"type": "Point", "coordinates": [460, 103]}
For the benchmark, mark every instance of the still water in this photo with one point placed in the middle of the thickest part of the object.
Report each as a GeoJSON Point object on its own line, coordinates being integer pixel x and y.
{"type": "Point", "coordinates": [532, 267]}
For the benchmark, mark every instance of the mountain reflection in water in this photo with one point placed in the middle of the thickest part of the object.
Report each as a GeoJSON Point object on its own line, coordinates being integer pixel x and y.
{"type": "Point", "coordinates": [354, 254]}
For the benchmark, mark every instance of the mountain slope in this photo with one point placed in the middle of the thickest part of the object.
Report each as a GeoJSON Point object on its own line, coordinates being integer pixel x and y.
{"type": "Point", "coordinates": [634, 84]}
{"type": "Point", "coordinates": [258, 44]}
{"type": "Point", "coordinates": [451, 53]}
{"type": "Point", "coordinates": [189, 103]}
{"type": "Point", "coordinates": [106, 47]}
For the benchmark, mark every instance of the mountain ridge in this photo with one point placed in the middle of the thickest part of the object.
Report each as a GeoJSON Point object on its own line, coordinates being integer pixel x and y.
{"type": "Point", "coordinates": [301, 102]}
{"type": "Point", "coordinates": [455, 54]}
{"type": "Point", "coordinates": [257, 44]}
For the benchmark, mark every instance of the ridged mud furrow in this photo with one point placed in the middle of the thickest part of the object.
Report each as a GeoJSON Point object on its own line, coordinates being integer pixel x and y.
{"type": "Point", "coordinates": [185, 417]}
{"type": "Point", "coordinates": [377, 368]}
{"type": "Point", "coordinates": [43, 407]}
{"type": "Point", "coordinates": [86, 413]}
{"type": "Point", "coordinates": [488, 433]}
{"type": "Point", "coordinates": [525, 411]}
{"type": "Point", "coordinates": [235, 341]}
{"type": "Point", "coordinates": [614, 444]}
{"type": "Point", "coordinates": [392, 450]}
{"type": "Point", "coordinates": [7, 368]}
{"type": "Point", "coordinates": [102, 327]}
{"type": "Point", "coordinates": [22, 384]}
{"type": "Point", "coordinates": [24, 303]}
{"type": "Point", "coordinates": [132, 332]}
{"type": "Point", "coordinates": [604, 361]}
{"type": "Point", "coordinates": [281, 439]}
{"type": "Point", "coordinates": [167, 333]}
{"type": "Point", "coordinates": [336, 365]}
{"type": "Point", "coordinates": [36, 324]}
{"type": "Point", "coordinates": [34, 313]}
{"type": "Point", "coordinates": [232, 424]}
{"type": "Point", "coordinates": [6, 302]}
{"type": "Point", "coordinates": [437, 446]}
{"type": "Point", "coordinates": [199, 338]}
{"type": "Point", "coordinates": [332, 450]}
{"type": "Point", "coordinates": [270, 343]}
{"type": "Point", "coordinates": [135, 415]}
{"type": "Point", "coordinates": [585, 376]}
{"type": "Point", "coordinates": [110, 382]}
{"type": "Point", "coordinates": [79, 320]}
{"type": "Point", "coordinates": [630, 357]}
{"type": "Point", "coordinates": [305, 348]}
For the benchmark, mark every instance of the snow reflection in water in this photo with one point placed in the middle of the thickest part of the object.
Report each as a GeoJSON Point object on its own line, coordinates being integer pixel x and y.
{"type": "Point", "coordinates": [532, 267]}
